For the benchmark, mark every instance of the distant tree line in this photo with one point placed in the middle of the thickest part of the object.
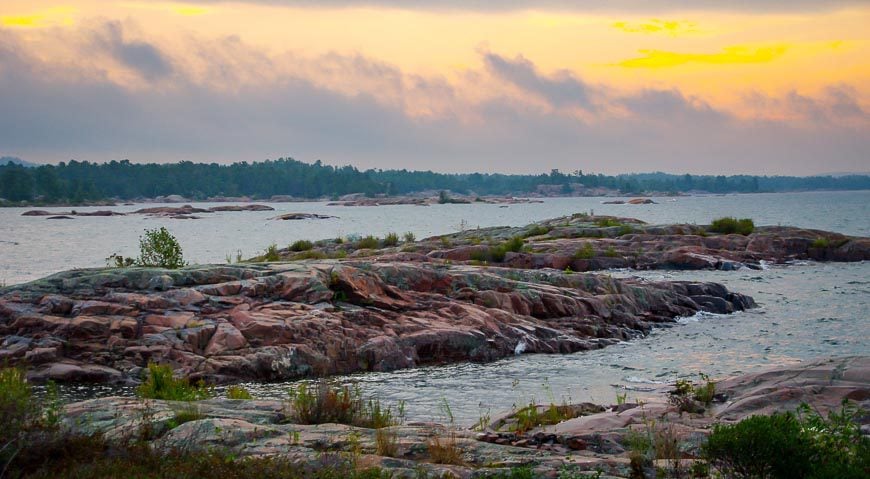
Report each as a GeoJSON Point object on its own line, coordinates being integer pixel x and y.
{"type": "Point", "coordinates": [77, 182]}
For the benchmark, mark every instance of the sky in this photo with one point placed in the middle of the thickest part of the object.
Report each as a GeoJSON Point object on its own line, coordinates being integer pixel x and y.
{"type": "Point", "coordinates": [516, 86]}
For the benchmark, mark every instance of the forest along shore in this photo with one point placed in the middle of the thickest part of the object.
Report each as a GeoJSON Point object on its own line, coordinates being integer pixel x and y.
{"type": "Point", "coordinates": [387, 305]}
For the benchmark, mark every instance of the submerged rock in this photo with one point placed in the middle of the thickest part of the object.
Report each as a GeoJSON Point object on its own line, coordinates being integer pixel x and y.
{"type": "Point", "coordinates": [302, 216]}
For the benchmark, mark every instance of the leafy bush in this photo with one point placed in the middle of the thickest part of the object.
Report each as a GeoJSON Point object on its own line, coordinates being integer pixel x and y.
{"type": "Point", "coordinates": [158, 248]}
{"type": "Point", "coordinates": [238, 392]}
{"type": "Point", "coordinates": [514, 244]}
{"type": "Point", "coordinates": [409, 237]}
{"type": "Point", "coordinates": [729, 225]}
{"type": "Point", "coordinates": [793, 446]}
{"type": "Point", "coordinates": [608, 222]}
{"type": "Point", "coordinates": [367, 242]}
{"type": "Point", "coordinates": [391, 239]}
{"type": "Point", "coordinates": [160, 384]}
{"type": "Point", "coordinates": [760, 446]}
{"type": "Point", "coordinates": [610, 252]}
{"type": "Point", "coordinates": [586, 252]}
{"type": "Point", "coordinates": [272, 253]}
{"type": "Point", "coordinates": [820, 243]}
{"type": "Point", "coordinates": [16, 406]}
{"type": "Point", "coordinates": [301, 245]}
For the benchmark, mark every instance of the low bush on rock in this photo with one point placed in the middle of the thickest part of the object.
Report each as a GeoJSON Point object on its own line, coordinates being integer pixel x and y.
{"type": "Point", "coordinates": [729, 225]}
{"type": "Point", "coordinates": [161, 384]}
{"type": "Point", "coordinates": [238, 392]}
{"type": "Point", "coordinates": [158, 248]}
{"type": "Point", "coordinates": [301, 245]}
{"type": "Point", "coordinates": [788, 445]}
{"type": "Point", "coordinates": [391, 239]}
{"type": "Point", "coordinates": [367, 242]}
{"type": "Point", "coordinates": [325, 402]}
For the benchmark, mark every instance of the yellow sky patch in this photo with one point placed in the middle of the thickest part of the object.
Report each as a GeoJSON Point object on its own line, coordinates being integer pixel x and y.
{"type": "Point", "coordinates": [738, 54]}
{"type": "Point", "coordinates": [41, 18]}
{"type": "Point", "coordinates": [668, 27]}
{"type": "Point", "coordinates": [183, 9]}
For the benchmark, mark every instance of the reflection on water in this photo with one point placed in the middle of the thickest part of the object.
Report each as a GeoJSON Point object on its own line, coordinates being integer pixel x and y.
{"type": "Point", "coordinates": [806, 311]}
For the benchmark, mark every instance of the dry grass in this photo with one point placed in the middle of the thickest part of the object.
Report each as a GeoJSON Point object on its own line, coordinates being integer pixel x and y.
{"type": "Point", "coordinates": [445, 450]}
{"type": "Point", "coordinates": [387, 442]}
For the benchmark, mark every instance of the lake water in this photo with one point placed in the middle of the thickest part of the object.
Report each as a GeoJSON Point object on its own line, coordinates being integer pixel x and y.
{"type": "Point", "coordinates": [806, 310]}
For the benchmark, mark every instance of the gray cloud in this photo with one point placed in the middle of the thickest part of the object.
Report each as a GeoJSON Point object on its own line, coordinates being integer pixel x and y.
{"type": "Point", "coordinates": [562, 89]}
{"type": "Point", "coordinates": [143, 57]}
{"type": "Point", "coordinates": [844, 102]}
{"type": "Point", "coordinates": [570, 5]}
{"type": "Point", "coordinates": [58, 117]}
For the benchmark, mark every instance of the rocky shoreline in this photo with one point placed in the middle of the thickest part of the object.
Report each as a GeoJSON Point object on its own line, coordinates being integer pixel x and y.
{"type": "Point", "coordinates": [601, 439]}
{"type": "Point", "coordinates": [312, 318]}
{"type": "Point", "coordinates": [583, 242]}
{"type": "Point", "coordinates": [378, 305]}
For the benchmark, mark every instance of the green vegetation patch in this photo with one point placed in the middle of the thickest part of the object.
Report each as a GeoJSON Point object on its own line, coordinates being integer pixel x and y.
{"type": "Point", "coordinates": [730, 225]}
{"type": "Point", "coordinates": [161, 384]}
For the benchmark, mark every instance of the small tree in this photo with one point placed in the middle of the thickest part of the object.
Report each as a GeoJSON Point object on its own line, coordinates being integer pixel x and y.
{"type": "Point", "coordinates": [158, 248]}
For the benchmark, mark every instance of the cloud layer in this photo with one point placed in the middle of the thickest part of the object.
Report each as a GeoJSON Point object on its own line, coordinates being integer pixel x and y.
{"type": "Point", "coordinates": [223, 100]}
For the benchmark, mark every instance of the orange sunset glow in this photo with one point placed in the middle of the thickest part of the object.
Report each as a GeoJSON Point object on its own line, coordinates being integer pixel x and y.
{"type": "Point", "coordinates": [767, 87]}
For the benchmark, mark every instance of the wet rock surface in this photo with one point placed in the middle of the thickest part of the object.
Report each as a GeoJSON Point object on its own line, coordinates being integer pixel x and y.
{"type": "Point", "coordinates": [289, 320]}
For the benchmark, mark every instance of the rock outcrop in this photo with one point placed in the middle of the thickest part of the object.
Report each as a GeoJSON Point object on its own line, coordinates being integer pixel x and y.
{"type": "Point", "coordinates": [598, 439]}
{"type": "Point", "coordinates": [591, 243]}
{"type": "Point", "coordinates": [284, 321]}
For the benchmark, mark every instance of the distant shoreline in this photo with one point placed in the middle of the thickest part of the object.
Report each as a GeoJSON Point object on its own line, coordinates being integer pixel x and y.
{"type": "Point", "coordinates": [386, 199]}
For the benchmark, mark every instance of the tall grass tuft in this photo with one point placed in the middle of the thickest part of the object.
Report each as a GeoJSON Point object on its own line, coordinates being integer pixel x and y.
{"type": "Point", "coordinates": [160, 384]}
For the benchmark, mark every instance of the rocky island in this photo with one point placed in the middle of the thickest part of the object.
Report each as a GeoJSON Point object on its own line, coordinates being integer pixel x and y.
{"type": "Point", "coordinates": [370, 304]}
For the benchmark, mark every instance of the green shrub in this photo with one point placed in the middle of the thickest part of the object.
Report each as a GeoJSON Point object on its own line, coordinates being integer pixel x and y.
{"type": "Point", "coordinates": [326, 402]}
{"type": "Point", "coordinates": [821, 243]}
{"type": "Point", "coordinates": [610, 252]}
{"type": "Point", "coordinates": [272, 253]}
{"type": "Point", "coordinates": [238, 392]}
{"type": "Point", "coordinates": [608, 222]}
{"type": "Point", "coordinates": [158, 248]}
{"type": "Point", "coordinates": [301, 245]}
{"type": "Point", "coordinates": [536, 230]}
{"type": "Point", "coordinates": [17, 410]}
{"type": "Point", "coordinates": [409, 237]}
{"type": "Point", "coordinates": [160, 384]}
{"type": "Point", "coordinates": [730, 225]}
{"type": "Point", "coordinates": [586, 252]}
{"type": "Point", "coordinates": [312, 254]}
{"type": "Point", "coordinates": [514, 244]}
{"type": "Point", "coordinates": [367, 242]}
{"type": "Point", "coordinates": [793, 446]}
{"type": "Point", "coordinates": [391, 239]}
{"type": "Point", "coordinates": [760, 446]}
